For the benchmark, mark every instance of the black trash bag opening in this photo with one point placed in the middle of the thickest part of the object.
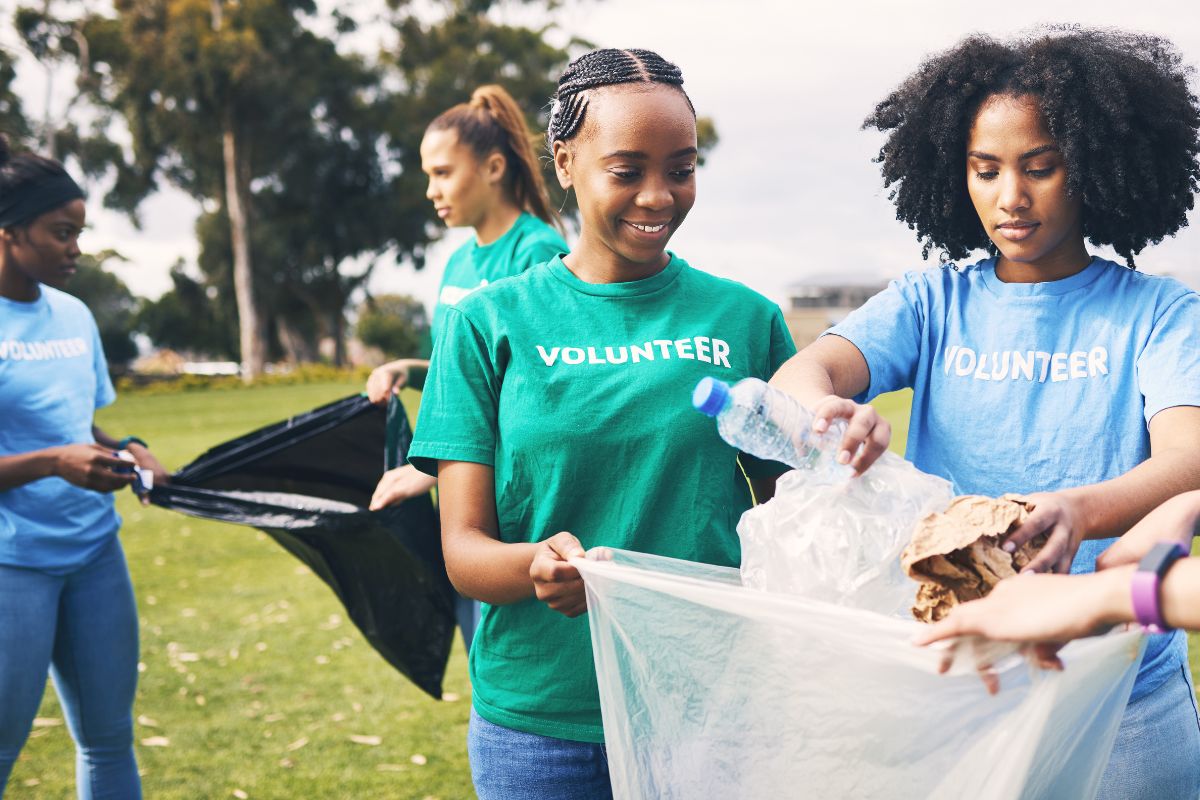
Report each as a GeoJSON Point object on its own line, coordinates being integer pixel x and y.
{"type": "Point", "coordinates": [306, 482]}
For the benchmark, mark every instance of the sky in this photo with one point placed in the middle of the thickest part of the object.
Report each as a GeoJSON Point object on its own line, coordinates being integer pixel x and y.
{"type": "Point", "coordinates": [790, 195]}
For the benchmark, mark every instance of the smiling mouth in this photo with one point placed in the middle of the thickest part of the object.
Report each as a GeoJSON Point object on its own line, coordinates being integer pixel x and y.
{"type": "Point", "coordinates": [648, 228]}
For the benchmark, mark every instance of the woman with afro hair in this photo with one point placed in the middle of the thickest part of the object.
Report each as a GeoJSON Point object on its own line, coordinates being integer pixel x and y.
{"type": "Point", "coordinates": [1042, 369]}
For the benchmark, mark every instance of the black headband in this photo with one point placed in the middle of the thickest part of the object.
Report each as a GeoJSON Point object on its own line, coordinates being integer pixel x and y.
{"type": "Point", "coordinates": [36, 197]}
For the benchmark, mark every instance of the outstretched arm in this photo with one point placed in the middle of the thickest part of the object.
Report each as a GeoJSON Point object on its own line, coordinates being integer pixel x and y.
{"type": "Point", "coordinates": [394, 376]}
{"type": "Point", "coordinates": [400, 484]}
{"type": "Point", "coordinates": [1111, 508]}
{"type": "Point", "coordinates": [1057, 608]}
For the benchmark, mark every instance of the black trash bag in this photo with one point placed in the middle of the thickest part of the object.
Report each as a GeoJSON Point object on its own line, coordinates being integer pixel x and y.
{"type": "Point", "coordinates": [307, 483]}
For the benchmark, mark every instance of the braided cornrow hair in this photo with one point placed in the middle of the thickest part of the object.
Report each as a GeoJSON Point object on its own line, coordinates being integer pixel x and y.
{"type": "Point", "coordinates": [607, 67]}
{"type": "Point", "coordinates": [492, 121]}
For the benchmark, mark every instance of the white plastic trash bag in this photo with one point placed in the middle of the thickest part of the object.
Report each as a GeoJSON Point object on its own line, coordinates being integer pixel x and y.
{"type": "Point", "coordinates": [710, 689]}
{"type": "Point", "coordinates": [842, 543]}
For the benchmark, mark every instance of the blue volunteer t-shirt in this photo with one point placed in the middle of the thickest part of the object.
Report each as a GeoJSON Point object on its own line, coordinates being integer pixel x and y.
{"type": "Point", "coordinates": [1028, 387]}
{"type": "Point", "coordinates": [53, 377]}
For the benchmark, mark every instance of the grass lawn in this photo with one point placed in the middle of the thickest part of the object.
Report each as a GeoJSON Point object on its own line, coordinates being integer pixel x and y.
{"type": "Point", "coordinates": [255, 684]}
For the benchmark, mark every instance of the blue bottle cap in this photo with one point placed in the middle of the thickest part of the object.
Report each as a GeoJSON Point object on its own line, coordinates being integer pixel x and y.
{"type": "Point", "coordinates": [710, 396]}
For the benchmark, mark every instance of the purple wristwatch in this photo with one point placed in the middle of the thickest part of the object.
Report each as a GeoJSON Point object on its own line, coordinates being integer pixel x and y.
{"type": "Point", "coordinates": [1147, 582]}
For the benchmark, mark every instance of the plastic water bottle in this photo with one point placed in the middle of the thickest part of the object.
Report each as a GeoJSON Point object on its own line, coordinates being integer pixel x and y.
{"type": "Point", "coordinates": [772, 425]}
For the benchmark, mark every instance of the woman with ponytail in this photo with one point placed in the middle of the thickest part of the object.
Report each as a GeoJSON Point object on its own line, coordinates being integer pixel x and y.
{"type": "Point", "coordinates": [483, 174]}
{"type": "Point", "coordinates": [66, 603]}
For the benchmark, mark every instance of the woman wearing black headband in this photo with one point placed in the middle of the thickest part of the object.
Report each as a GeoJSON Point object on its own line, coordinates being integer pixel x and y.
{"type": "Point", "coordinates": [66, 603]}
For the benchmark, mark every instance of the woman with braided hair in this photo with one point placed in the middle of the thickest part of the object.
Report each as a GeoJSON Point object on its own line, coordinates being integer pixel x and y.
{"type": "Point", "coordinates": [1043, 369]}
{"type": "Point", "coordinates": [483, 174]}
{"type": "Point", "coordinates": [556, 416]}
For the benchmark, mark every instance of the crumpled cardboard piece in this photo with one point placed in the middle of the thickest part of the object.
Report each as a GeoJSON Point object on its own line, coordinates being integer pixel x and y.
{"type": "Point", "coordinates": [956, 555]}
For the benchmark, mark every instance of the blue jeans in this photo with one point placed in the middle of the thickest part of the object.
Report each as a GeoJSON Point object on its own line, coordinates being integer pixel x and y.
{"type": "Point", "coordinates": [513, 765]}
{"type": "Point", "coordinates": [1157, 752]}
{"type": "Point", "coordinates": [82, 627]}
{"type": "Point", "coordinates": [467, 613]}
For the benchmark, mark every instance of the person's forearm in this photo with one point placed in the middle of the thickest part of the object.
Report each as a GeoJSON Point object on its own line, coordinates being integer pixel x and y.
{"type": "Point", "coordinates": [1112, 507]}
{"type": "Point", "coordinates": [1179, 594]}
{"type": "Point", "coordinates": [417, 369]}
{"type": "Point", "coordinates": [487, 569]}
{"type": "Point", "coordinates": [26, 468]}
{"type": "Point", "coordinates": [829, 366]}
{"type": "Point", "coordinates": [804, 378]}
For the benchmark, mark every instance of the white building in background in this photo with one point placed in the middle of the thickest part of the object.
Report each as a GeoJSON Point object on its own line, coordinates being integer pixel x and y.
{"type": "Point", "coordinates": [816, 305]}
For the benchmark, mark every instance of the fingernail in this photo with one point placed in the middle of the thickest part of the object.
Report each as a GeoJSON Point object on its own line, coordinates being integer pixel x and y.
{"type": "Point", "coordinates": [820, 425]}
{"type": "Point", "coordinates": [844, 457]}
{"type": "Point", "coordinates": [1009, 547]}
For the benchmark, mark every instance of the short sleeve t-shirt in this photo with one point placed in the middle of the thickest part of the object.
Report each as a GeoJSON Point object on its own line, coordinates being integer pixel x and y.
{"type": "Point", "coordinates": [579, 395]}
{"type": "Point", "coordinates": [529, 241]}
{"type": "Point", "coordinates": [1028, 387]}
{"type": "Point", "coordinates": [53, 377]}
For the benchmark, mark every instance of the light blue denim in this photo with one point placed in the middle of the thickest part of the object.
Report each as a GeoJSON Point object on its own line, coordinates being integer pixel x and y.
{"type": "Point", "coordinates": [82, 628]}
{"type": "Point", "coordinates": [1157, 752]}
{"type": "Point", "coordinates": [513, 765]}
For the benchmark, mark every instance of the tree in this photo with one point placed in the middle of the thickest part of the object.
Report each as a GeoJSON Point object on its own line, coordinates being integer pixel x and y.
{"type": "Point", "coordinates": [304, 158]}
{"type": "Point", "coordinates": [440, 64]}
{"type": "Point", "coordinates": [345, 186]}
{"type": "Point", "coordinates": [53, 35]}
{"type": "Point", "coordinates": [12, 114]}
{"type": "Point", "coordinates": [395, 323]}
{"type": "Point", "coordinates": [111, 303]}
{"type": "Point", "coordinates": [188, 318]}
{"type": "Point", "coordinates": [177, 68]}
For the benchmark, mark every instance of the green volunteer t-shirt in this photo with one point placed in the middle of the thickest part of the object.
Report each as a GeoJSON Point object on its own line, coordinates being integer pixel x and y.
{"type": "Point", "coordinates": [579, 395]}
{"type": "Point", "coordinates": [529, 241]}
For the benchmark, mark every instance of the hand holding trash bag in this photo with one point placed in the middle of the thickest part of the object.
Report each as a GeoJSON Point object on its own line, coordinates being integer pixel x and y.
{"type": "Point", "coordinates": [90, 466]}
{"type": "Point", "coordinates": [555, 582]}
{"type": "Point", "coordinates": [390, 378]}
{"type": "Point", "coordinates": [305, 482]}
{"type": "Point", "coordinates": [145, 460]}
{"type": "Point", "coordinates": [400, 484]}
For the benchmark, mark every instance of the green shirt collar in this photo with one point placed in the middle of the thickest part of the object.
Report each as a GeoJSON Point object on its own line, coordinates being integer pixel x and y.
{"type": "Point", "coordinates": [636, 288]}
